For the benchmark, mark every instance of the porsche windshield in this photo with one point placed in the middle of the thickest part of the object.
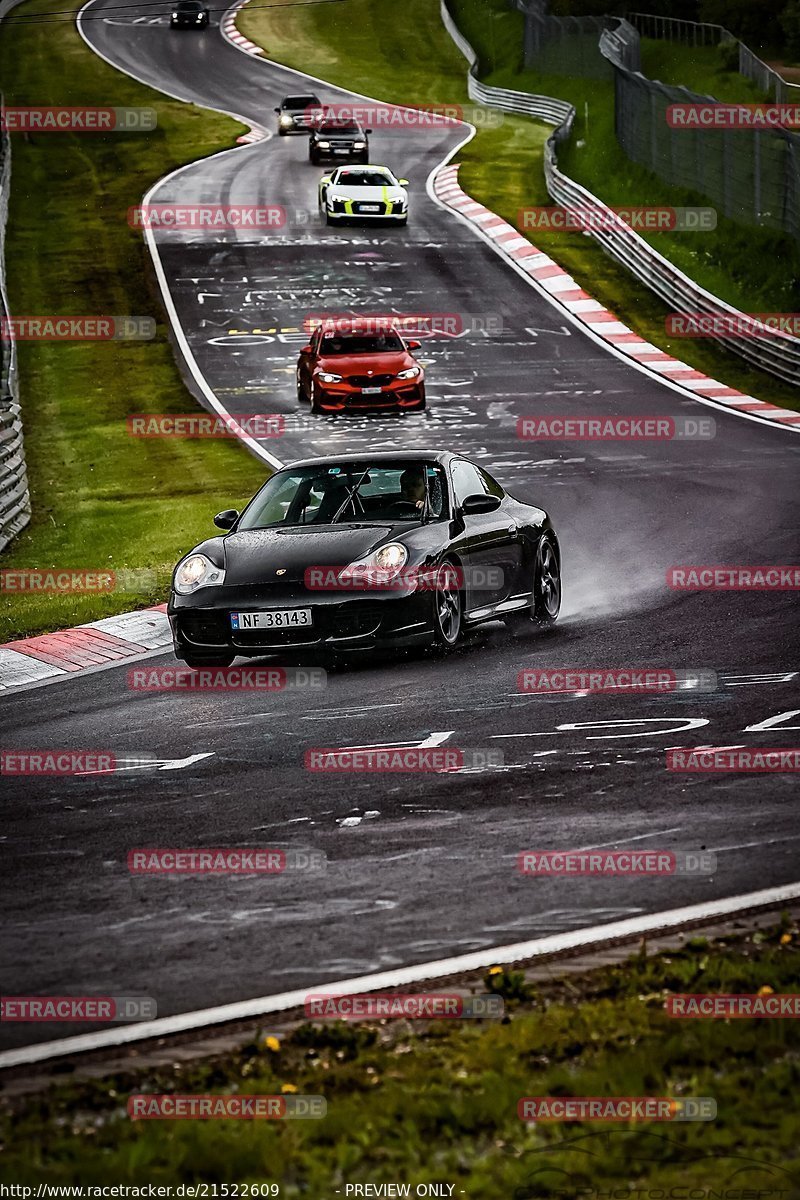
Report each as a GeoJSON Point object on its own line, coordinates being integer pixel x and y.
{"type": "Point", "coordinates": [350, 493]}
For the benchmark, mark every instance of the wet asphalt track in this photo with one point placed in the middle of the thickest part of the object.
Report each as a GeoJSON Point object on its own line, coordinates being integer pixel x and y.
{"type": "Point", "coordinates": [418, 866]}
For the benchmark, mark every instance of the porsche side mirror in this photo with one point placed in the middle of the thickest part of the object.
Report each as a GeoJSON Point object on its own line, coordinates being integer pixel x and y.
{"type": "Point", "coordinates": [413, 345]}
{"type": "Point", "coordinates": [306, 350]}
{"type": "Point", "coordinates": [226, 519]}
{"type": "Point", "coordinates": [480, 503]}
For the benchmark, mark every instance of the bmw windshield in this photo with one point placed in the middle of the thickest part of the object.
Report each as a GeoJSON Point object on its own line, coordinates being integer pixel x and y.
{"type": "Point", "coordinates": [350, 493]}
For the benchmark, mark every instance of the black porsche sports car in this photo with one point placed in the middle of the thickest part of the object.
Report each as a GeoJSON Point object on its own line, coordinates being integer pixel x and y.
{"type": "Point", "coordinates": [370, 550]}
{"type": "Point", "coordinates": [189, 14]}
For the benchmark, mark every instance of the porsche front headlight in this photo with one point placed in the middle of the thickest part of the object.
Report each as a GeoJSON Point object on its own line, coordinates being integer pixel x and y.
{"type": "Point", "coordinates": [286, 119]}
{"type": "Point", "coordinates": [377, 570]}
{"type": "Point", "coordinates": [391, 557]}
{"type": "Point", "coordinates": [194, 572]}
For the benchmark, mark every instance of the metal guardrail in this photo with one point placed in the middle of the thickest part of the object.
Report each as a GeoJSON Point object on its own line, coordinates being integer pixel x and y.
{"type": "Point", "coordinates": [15, 501]}
{"type": "Point", "coordinates": [778, 354]}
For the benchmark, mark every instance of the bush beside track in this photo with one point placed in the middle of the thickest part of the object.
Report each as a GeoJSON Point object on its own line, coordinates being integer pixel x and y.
{"type": "Point", "coordinates": [361, 46]}
{"type": "Point", "coordinates": [101, 499]}
{"type": "Point", "coordinates": [421, 1102]}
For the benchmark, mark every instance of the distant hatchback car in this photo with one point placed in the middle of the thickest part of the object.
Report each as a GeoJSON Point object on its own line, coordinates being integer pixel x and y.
{"type": "Point", "coordinates": [297, 113]}
{"type": "Point", "coordinates": [363, 551]}
{"type": "Point", "coordinates": [336, 139]}
{"type": "Point", "coordinates": [188, 14]}
{"type": "Point", "coordinates": [363, 194]}
{"type": "Point", "coordinates": [363, 367]}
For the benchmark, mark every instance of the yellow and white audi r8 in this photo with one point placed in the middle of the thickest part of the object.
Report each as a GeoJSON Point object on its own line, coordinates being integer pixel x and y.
{"type": "Point", "coordinates": [363, 194]}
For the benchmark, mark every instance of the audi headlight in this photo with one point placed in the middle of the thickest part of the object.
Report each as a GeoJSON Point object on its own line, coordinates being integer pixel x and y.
{"type": "Point", "coordinates": [195, 572]}
{"type": "Point", "coordinates": [327, 377]}
{"type": "Point", "coordinates": [359, 145]}
{"type": "Point", "coordinates": [409, 374]}
{"type": "Point", "coordinates": [286, 119]}
{"type": "Point", "coordinates": [324, 145]}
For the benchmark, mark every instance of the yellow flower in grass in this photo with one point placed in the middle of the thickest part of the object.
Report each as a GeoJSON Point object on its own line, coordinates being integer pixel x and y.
{"type": "Point", "coordinates": [272, 1043]}
{"type": "Point", "coordinates": [785, 939]}
{"type": "Point", "coordinates": [766, 990]}
{"type": "Point", "coordinates": [495, 970]}
{"type": "Point", "coordinates": [288, 1088]}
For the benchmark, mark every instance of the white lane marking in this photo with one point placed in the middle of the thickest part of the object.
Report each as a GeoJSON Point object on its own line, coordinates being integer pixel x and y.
{"type": "Point", "coordinates": [640, 837]}
{"type": "Point", "coordinates": [584, 939]}
{"type": "Point", "coordinates": [433, 739]}
{"type": "Point", "coordinates": [772, 722]}
{"type": "Point", "coordinates": [161, 764]}
{"type": "Point", "coordinates": [791, 837]}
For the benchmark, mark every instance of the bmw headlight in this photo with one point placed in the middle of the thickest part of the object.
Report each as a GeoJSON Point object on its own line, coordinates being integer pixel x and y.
{"type": "Point", "coordinates": [327, 377]}
{"type": "Point", "coordinates": [409, 374]}
{"type": "Point", "coordinates": [195, 572]}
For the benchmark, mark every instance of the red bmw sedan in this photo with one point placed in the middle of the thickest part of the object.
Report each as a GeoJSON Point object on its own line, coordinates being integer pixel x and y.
{"type": "Point", "coordinates": [360, 369]}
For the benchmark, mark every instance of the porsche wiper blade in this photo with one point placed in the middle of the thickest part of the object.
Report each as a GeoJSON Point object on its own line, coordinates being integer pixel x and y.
{"type": "Point", "coordinates": [351, 493]}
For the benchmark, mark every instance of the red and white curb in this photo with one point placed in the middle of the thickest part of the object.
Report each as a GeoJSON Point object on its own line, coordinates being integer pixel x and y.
{"type": "Point", "coordinates": [562, 291]}
{"type": "Point", "coordinates": [227, 27]}
{"type": "Point", "coordinates": [86, 647]}
{"type": "Point", "coordinates": [231, 33]}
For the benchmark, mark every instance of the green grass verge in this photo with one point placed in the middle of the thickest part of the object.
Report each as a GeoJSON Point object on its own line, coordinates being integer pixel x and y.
{"type": "Point", "coordinates": [101, 499]}
{"type": "Point", "coordinates": [355, 45]}
{"type": "Point", "coordinates": [413, 1102]}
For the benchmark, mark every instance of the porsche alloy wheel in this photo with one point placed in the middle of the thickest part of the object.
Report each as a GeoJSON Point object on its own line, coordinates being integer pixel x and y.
{"type": "Point", "coordinates": [546, 585]}
{"type": "Point", "coordinates": [447, 606]}
{"type": "Point", "coordinates": [545, 601]}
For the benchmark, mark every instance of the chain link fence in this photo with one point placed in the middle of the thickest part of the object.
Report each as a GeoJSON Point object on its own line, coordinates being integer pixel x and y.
{"type": "Point", "coordinates": [752, 175]}
{"type": "Point", "coordinates": [15, 502]}
{"type": "Point", "coordinates": [563, 45]}
{"type": "Point", "coordinates": [778, 354]}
